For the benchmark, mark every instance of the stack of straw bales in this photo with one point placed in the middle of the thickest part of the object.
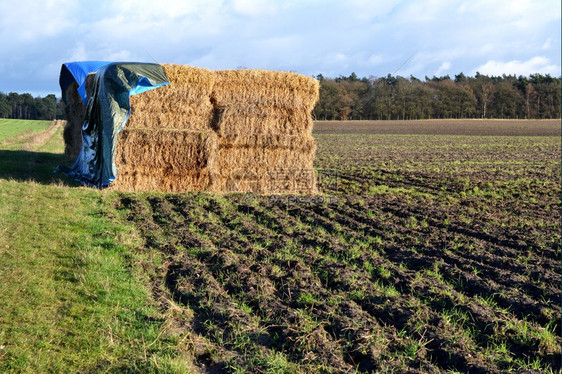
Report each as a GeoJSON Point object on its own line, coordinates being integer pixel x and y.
{"type": "Point", "coordinates": [264, 125]}
{"type": "Point", "coordinates": [167, 143]}
{"type": "Point", "coordinates": [224, 131]}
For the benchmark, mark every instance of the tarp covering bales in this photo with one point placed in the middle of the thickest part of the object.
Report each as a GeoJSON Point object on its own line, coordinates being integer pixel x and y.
{"type": "Point", "coordinates": [226, 131]}
{"type": "Point", "coordinates": [76, 73]}
{"type": "Point", "coordinates": [107, 112]}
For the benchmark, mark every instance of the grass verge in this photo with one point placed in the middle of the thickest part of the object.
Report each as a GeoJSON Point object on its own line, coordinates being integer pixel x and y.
{"type": "Point", "coordinates": [69, 298]}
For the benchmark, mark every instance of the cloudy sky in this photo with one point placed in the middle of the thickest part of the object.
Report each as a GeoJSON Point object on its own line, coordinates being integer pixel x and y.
{"type": "Point", "coordinates": [311, 37]}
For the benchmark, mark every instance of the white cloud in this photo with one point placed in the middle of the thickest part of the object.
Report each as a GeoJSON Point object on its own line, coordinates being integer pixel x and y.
{"type": "Point", "coordinates": [375, 59]}
{"type": "Point", "coordinates": [78, 53]}
{"type": "Point", "coordinates": [371, 9]}
{"type": "Point", "coordinates": [526, 14]}
{"type": "Point", "coordinates": [424, 12]}
{"type": "Point", "coordinates": [255, 8]}
{"type": "Point", "coordinates": [151, 12]}
{"type": "Point", "coordinates": [144, 22]}
{"type": "Point", "coordinates": [547, 44]}
{"type": "Point", "coordinates": [538, 64]}
{"type": "Point", "coordinates": [29, 20]}
{"type": "Point", "coordinates": [340, 58]}
{"type": "Point", "coordinates": [445, 66]}
{"type": "Point", "coordinates": [506, 25]}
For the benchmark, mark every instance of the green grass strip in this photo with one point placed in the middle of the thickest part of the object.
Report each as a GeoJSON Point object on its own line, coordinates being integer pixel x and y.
{"type": "Point", "coordinates": [10, 128]}
{"type": "Point", "coordinates": [69, 298]}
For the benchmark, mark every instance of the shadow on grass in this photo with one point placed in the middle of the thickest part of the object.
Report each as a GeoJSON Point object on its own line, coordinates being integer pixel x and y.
{"type": "Point", "coordinates": [29, 166]}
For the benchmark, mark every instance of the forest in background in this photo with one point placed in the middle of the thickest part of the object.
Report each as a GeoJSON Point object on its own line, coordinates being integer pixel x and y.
{"type": "Point", "coordinates": [25, 106]}
{"type": "Point", "coordinates": [392, 98]}
{"type": "Point", "coordinates": [386, 98]}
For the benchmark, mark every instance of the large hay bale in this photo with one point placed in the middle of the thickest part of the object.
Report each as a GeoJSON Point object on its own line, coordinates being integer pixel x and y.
{"type": "Point", "coordinates": [265, 164]}
{"type": "Point", "coordinates": [164, 160]}
{"type": "Point", "coordinates": [263, 87]}
{"type": "Point", "coordinates": [244, 119]}
{"type": "Point", "coordinates": [183, 104]}
{"type": "Point", "coordinates": [264, 124]}
{"type": "Point", "coordinates": [268, 181]}
{"type": "Point", "coordinates": [297, 143]}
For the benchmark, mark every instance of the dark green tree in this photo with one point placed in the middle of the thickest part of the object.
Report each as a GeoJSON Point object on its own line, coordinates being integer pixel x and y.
{"type": "Point", "coordinates": [506, 101]}
{"type": "Point", "coordinates": [5, 108]}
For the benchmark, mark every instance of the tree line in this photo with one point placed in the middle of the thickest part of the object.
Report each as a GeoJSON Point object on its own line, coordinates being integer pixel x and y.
{"type": "Point", "coordinates": [25, 106]}
{"type": "Point", "coordinates": [386, 98]}
{"type": "Point", "coordinates": [395, 97]}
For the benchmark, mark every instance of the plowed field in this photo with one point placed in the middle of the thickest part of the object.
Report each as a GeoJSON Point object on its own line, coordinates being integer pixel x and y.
{"type": "Point", "coordinates": [430, 249]}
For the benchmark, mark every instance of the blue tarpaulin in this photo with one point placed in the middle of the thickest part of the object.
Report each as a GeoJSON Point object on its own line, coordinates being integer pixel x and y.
{"type": "Point", "coordinates": [107, 112]}
{"type": "Point", "coordinates": [76, 72]}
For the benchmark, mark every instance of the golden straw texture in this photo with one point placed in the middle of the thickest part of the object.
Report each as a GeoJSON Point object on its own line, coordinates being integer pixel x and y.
{"type": "Point", "coordinates": [263, 87]}
{"type": "Point", "coordinates": [164, 160]}
{"type": "Point", "coordinates": [265, 164]}
{"type": "Point", "coordinates": [244, 119]}
{"type": "Point", "coordinates": [183, 104]}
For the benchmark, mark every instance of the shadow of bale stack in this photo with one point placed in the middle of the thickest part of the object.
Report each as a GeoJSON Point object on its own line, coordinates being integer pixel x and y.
{"type": "Point", "coordinates": [223, 131]}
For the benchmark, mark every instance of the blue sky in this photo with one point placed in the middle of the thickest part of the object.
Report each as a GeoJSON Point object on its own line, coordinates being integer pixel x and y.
{"type": "Point", "coordinates": [311, 37]}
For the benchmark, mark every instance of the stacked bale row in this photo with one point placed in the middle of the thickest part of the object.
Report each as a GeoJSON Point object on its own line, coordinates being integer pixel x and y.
{"type": "Point", "coordinates": [237, 130]}
{"type": "Point", "coordinates": [167, 143]}
{"type": "Point", "coordinates": [264, 126]}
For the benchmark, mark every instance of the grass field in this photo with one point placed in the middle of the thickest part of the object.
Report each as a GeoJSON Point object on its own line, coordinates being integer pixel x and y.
{"type": "Point", "coordinates": [434, 246]}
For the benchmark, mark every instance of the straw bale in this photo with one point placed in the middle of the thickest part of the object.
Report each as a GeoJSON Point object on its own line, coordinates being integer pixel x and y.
{"type": "Point", "coordinates": [260, 119]}
{"type": "Point", "coordinates": [255, 158]}
{"type": "Point", "coordinates": [299, 143]}
{"type": "Point", "coordinates": [265, 164]}
{"type": "Point", "coordinates": [162, 108]}
{"type": "Point", "coordinates": [263, 87]}
{"type": "Point", "coordinates": [183, 104]}
{"type": "Point", "coordinates": [161, 179]}
{"type": "Point", "coordinates": [164, 160]}
{"type": "Point", "coordinates": [198, 81]}
{"type": "Point", "coordinates": [176, 149]}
